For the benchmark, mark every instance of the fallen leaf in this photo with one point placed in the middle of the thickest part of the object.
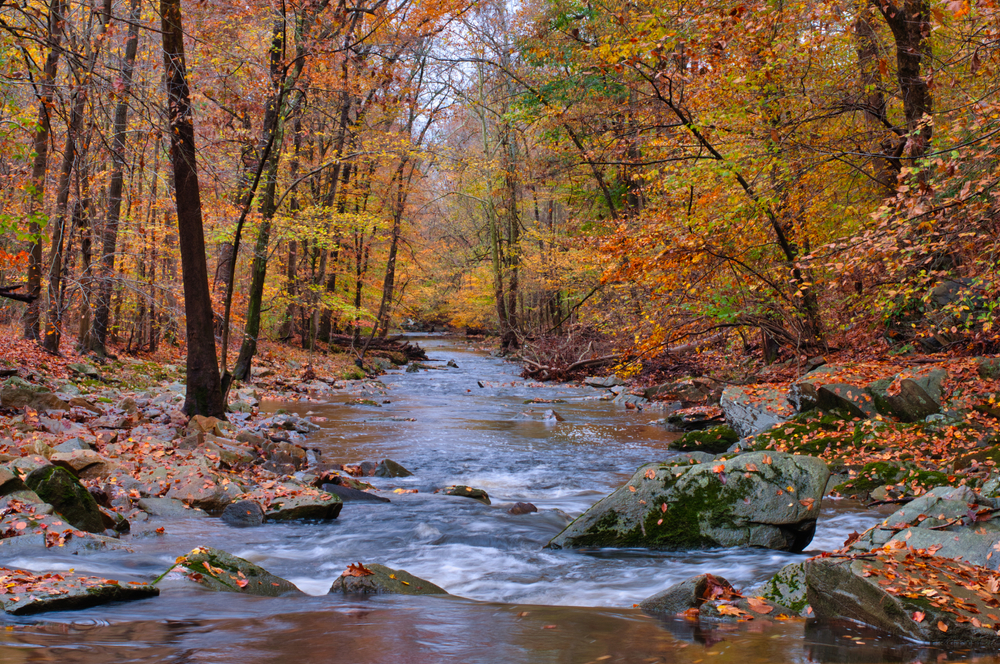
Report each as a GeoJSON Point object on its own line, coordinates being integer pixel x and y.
{"type": "Point", "coordinates": [759, 605]}
{"type": "Point", "coordinates": [941, 626]}
{"type": "Point", "coordinates": [918, 616]}
{"type": "Point", "coordinates": [357, 570]}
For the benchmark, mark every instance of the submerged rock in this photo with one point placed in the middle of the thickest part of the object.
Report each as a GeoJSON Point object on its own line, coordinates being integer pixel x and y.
{"type": "Point", "coordinates": [60, 489]}
{"type": "Point", "coordinates": [755, 499]}
{"type": "Point", "coordinates": [466, 492]}
{"type": "Point", "coordinates": [521, 508]}
{"type": "Point", "coordinates": [217, 570]}
{"type": "Point", "coordinates": [26, 593]}
{"type": "Point", "coordinates": [908, 594]}
{"type": "Point", "coordinates": [379, 579]}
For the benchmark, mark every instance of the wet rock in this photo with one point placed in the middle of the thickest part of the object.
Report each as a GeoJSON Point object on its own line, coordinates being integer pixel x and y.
{"type": "Point", "coordinates": [28, 593]}
{"type": "Point", "coordinates": [788, 588]}
{"type": "Point", "coordinates": [288, 501]}
{"type": "Point", "coordinates": [218, 570]}
{"type": "Point", "coordinates": [552, 416]}
{"type": "Point", "coordinates": [295, 423]}
{"type": "Point", "coordinates": [876, 591]}
{"type": "Point", "coordinates": [413, 367]}
{"type": "Point", "coordinates": [627, 400]}
{"type": "Point", "coordinates": [465, 492]}
{"type": "Point", "coordinates": [522, 508]}
{"type": "Point", "coordinates": [453, 364]}
{"type": "Point", "coordinates": [603, 381]}
{"type": "Point", "coordinates": [712, 441]}
{"type": "Point", "coordinates": [243, 514]}
{"type": "Point", "coordinates": [389, 468]}
{"type": "Point", "coordinates": [344, 480]}
{"type": "Point", "coordinates": [755, 499]}
{"type": "Point", "coordinates": [910, 396]}
{"type": "Point", "coordinates": [170, 508]}
{"type": "Point", "coordinates": [349, 495]}
{"type": "Point", "coordinates": [367, 468]}
{"type": "Point", "coordinates": [751, 410]}
{"type": "Point", "coordinates": [283, 457]}
{"type": "Point", "coordinates": [202, 488]}
{"type": "Point", "coordinates": [709, 596]}
{"type": "Point", "coordinates": [69, 498]}
{"type": "Point", "coordinates": [381, 580]}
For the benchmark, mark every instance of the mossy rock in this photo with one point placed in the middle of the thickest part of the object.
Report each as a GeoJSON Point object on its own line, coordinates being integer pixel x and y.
{"type": "Point", "coordinates": [812, 433]}
{"type": "Point", "coordinates": [880, 473]}
{"type": "Point", "coordinates": [466, 492]}
{"type": "Point", "coordinates": [788, 588]}
{"type": "Point", "coordinates": [754, 499]}
{"type": "Point", "coordinates": [69, 498]}
{"type": "Point", "coordinates": [220, 571]}
{"type": "Point", "coordinates": [65, 592]}
{"type": "Point", "coordinates": [713, 441]}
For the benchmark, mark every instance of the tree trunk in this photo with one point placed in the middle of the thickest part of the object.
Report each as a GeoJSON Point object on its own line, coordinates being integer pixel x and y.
{"type": "Point", "coordinates": [46, 92]}
{"type": "Point", "coordinates": [98, 338]}
{"type": "Point", "coordinates": [204, 386]}
{"type": "Point", "coordinates": [910, 23]}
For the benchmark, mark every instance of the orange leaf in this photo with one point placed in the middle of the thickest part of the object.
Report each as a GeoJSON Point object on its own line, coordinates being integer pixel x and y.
{"type": "Point", "coordinates": [357, 570]}
{"type": "Point", "coordinates": [918, 616]}
{"type": "Point", "coordinates": [759, 605]}
{"type": "Point", "coordinates": [941, 626]}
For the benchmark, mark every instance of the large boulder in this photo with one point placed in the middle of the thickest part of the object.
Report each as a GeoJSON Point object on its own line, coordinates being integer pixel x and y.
{"type": "Point", "coordinates": [911, 395]}
{"type": "Point", "coordinates": [910, 594]}
{"type": "Point", "coordinates": [755, 499]}
{"type": "Point", "coordinates": [752, 409]}
{"type": "Point", "coordinates": [379, 579]}
{"type": "Point", "coordinates": [18, 393]}
{"type": "Point", "coordinates": [60, 489]}
{"type": "Point", "coordinates": [221, 571]}
{"type": "Point", "coordinates": [788, 588]}
{"type": "Point", "coordinates": [26, 593]}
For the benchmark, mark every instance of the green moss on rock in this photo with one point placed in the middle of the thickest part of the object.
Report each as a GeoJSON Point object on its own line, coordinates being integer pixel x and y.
{"type": "Point", "coordinates": [714, 440]}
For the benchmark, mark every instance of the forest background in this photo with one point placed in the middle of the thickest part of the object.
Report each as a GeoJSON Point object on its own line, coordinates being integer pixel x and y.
{"type": "Point", "coordinates": [600, 184]}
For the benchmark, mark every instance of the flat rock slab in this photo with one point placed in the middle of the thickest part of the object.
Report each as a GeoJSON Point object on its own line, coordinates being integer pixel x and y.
{"type": "Point", "coordinates": [755, 499]}
{"type": "Point", "coordinates": [23, 593]}
{"type": "Point", "coordinates": [218, 570]}
{"type": "Point", "coordinates": [909, 593]}
{"type": "Point", "coordinates": [287, 501]}
{"type": "Point", "coordinates": [753, 409]}
{"type": "Point", "coordinates": [381, 580]}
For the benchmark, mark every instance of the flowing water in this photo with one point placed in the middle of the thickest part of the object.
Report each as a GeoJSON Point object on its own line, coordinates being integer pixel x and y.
{"type": "Point", "coordinates": [514, 601]}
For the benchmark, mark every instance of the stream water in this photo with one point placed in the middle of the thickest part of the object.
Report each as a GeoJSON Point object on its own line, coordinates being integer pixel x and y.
{"type": "Point", "coordinates": [513, 600]}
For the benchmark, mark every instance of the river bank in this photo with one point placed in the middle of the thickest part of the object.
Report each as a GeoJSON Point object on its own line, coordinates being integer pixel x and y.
{"type": "Point", "coordinates": [442, 425]}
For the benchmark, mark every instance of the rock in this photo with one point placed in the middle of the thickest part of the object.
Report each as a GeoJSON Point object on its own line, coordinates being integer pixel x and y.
{"type": "Point", "coordinates": [713, 441]}
{"type": "Point", "coordinates": [751, 410]}
{"type": "Point", "coordinates": [522, 508]}
{"type": "Point", "coordinates": [413, 367]}
{"type": "Point", "coordinates": [381, 580]}
{"type": "Point", "coordinates": [243, 514]}
{"type": "Point", "coordinates": [69, 498]}
{"type": "Point", "coordinates": [367, 468]}
{"type": "Point", "coordinates": [71, 445]}
{"type": "Point", "coordinates": [685, 390]}
{"type": "Point", "coordinates": [26, 396]}
{"type": "Point", "coordinates": [10, 482]}
{"type": "Point", "coordinates": [788, 588]}
{"type": "Point", "coordinates": [989, 367]}
{"type": "Point", "coordinates": [200, 423]}
{"type": "Point", "coordinates": [453, 364]}
{"type": "Point", "coordinates": [855, 400]}
{"type": "Point", "coordinates": [251, 438]}
{"type": "Point", "coordinates": [877, 591]}
{"type": "Point", "coordinates": [918, 394]}
{"type": "Point", "coordinates": [605, 381]}
{"type": "Point", "coordinates": [755, 499]}
{"type": "Point", "coordinates": [222, 448]}
{"type": "Point", "coordinates": [707, 594]}
{"type": "Point", "coordinates": [86, 463]}
{"type": "Point", "coordinates": [349, 495]}
{"type": "Point", "coordinates": [696, 418]}
{"type": "Point", "coordinates": [28, 593]}
{"type": "Point", "coordinates": [629, 400]}
{"type": "Point", "coordinates": [170, 508]}
{"type": "Point", "coordinates": [389, 468]}
{"type": "Point", "coordinates": [349, 482]}
{"type": "Point", "coordinates": [82, 369]}
{"type": "Point", "coordinates": [465, 492]}
{"type": "Point", "coordinates": [289, 501]}
{"type": "Point", "coordinates": [283, 458]}
{"type": "Point", "coordinates": [552, 416]}
{"type": "Point", "coordinates": [217, 570]}
{"type": "Point", "coordinates": [204, 489]}
{"type": "Point", "coordinates": [803, 394]}
{"type": "Point", "coordinates": [293, 423]}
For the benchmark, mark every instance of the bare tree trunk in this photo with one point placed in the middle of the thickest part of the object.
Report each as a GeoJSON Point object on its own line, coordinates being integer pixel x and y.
{"type": "Point", "coordinates": [910, 23]}
{"type": "Point", "coordinates": [204, 386]}
{"type": "Point", "coordinates": [45, 92]}
{"type": "Point", "coordinates": [98, 338]}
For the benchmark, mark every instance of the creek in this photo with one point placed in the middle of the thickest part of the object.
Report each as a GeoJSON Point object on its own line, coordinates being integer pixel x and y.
{"type": "Point", "coordinates": [513, 600]}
